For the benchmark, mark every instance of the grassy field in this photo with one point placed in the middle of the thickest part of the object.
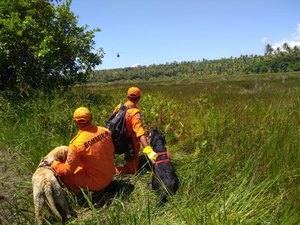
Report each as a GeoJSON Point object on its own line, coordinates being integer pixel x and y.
{"type": "Point", "coordinates": [233, 140]}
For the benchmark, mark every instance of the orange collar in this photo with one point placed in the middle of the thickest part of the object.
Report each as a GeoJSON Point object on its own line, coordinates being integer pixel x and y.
{"type": "Point", "coordinates": [130, 103]}
{"type": "Point", "coordinates": [87, 127]}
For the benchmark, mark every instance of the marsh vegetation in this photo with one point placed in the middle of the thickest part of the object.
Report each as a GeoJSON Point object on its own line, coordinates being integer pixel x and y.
{"type": "Point", "coordinates": [233, 140]}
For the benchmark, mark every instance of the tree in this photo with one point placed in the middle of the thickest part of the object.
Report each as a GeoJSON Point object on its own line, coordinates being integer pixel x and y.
{"type": "Point", "coordinates": [269, 50]}
{"type": "Point", "coordinates": [286, 47]}
{"type": "Point", "coordinates": [296, 50]}
{"type": "Point", "coordinates": [42, 47]}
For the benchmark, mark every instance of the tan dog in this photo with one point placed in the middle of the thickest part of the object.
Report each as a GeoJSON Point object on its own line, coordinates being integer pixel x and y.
{"type": "Point", "coordinates": [46, 188]}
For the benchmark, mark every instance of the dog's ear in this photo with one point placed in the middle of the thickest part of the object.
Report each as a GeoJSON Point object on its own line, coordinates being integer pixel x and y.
{"type": "Point", "coordinates": [62, 157]}
{"type": "Point", "coordinates": [161, 135]}
{"type": "Point", "coordinates": [151, 130]}
{"type": "Point", "coordinates": [164, 139]}
{"type": "Point", "coordinates": [61, 153]}
{"type": "Point", "coordinates": [155, 131]}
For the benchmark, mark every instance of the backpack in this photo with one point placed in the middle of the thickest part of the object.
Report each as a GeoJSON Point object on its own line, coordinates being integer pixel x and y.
{"type": "Point", "coordinates": [117, 126]}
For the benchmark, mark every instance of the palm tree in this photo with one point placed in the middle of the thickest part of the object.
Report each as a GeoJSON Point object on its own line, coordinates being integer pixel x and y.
{"type": "Point", "coordinates": [285, 46]}
{"type": "Point", "coordinates": [278, 50]}
{"type": "Point", "coordinates": [269, 50]}
{"type": "Point", "coordinates": [296, 50]}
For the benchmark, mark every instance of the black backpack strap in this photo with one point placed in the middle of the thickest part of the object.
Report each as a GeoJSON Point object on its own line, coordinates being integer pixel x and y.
{"type": "Point", "coordinates": [129, 107]}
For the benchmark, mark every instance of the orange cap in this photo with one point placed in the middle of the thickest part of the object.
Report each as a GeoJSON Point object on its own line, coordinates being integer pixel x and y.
{"type": "Point", "coordinates": [134, 92]}
{"type": "Point", "coordinates": [82, 115]}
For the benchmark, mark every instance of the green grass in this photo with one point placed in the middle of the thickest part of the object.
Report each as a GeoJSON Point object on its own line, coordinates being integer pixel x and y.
{"type": "Point", "coordinates": [234, 142]}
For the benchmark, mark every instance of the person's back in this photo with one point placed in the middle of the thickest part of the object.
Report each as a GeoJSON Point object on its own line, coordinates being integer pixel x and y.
{"type": "Point", "coordinates": [95, 150]}
{"type": "Point", "coordinates": [133, 119]}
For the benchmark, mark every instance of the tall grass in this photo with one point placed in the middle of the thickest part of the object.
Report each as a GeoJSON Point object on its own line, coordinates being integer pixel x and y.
{"type": "Point", "coordinates": [234, 143]}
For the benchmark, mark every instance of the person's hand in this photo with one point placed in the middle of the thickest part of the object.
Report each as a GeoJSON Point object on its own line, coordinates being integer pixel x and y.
{"type": "Point", "coordinates": [48, 161]}
{"type": "Point", "coordinates": [150, 153]}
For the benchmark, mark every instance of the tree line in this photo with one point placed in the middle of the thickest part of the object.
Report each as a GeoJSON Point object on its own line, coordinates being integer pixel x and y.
{"type": "Point", "coordinates": [283, 59]}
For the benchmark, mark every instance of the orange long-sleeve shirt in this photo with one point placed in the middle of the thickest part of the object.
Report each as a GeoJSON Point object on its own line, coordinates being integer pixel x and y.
{"type": "Point", "coordinates": [91, 150]}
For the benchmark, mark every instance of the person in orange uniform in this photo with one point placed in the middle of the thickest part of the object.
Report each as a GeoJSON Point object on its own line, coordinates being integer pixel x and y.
{"type": "Point", "coordinates": [135, 132]}
{"type": "Point", "coordinates": [90, 160]}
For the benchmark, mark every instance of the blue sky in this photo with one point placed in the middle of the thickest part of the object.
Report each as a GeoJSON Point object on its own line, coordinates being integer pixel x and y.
{"type": "Point", "coordinates": [146, 32]}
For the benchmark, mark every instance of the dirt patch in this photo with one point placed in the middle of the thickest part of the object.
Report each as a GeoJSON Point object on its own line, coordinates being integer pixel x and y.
{"type": "Point", "coordinates": [14, 188]}
{"type": "Point", "coordinates": [8, 176]}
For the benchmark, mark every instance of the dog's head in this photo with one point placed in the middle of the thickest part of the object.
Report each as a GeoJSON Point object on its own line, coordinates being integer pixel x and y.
{"type": "Point", "coordinates": [59, 153]}
{"type": "Point", "coordinates": [157, 140]}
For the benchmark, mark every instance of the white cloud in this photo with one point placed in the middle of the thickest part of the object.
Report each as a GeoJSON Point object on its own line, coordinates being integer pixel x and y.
{"type": "Point", "coordinates": [135, 65]}
{"type": "Point", "coordinates": [264, 39]}
{"type": "Point", "coordinates": [296, 36]}
{"type": "Point", "coordinates": [292, 41]}
{"type": "Point", "coordinates": [292, 44]}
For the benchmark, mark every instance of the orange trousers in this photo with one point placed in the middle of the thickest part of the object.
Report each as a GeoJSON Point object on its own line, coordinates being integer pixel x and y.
{"type": "Point", "coordinates": [82, 180]}
{"type": "Point", "coordinates": [131, 167]}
